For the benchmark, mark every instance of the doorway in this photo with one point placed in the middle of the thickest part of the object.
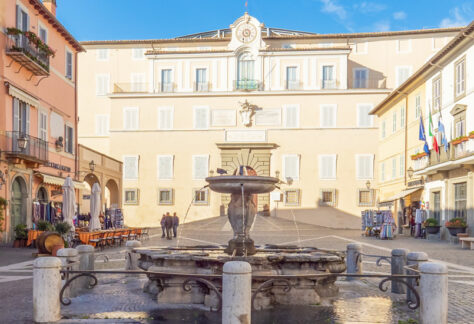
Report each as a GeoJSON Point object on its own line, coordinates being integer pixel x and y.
{"type": "Point", "coordinates": [18, 202]}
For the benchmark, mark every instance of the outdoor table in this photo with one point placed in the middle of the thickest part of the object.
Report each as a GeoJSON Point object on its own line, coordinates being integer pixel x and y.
{"type": "Point", "coordinates": [32, 236]}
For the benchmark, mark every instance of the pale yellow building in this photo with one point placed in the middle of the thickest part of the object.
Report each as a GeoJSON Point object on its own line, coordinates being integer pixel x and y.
{"type": "Point", "coordinates": [280, 101]}
{"type": "Point", "coordinates": [442, 181]}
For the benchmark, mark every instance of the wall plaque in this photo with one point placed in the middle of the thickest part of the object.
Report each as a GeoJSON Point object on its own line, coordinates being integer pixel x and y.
{"type": "Point", "coordinates": [268, 117]}
{"type": "Point", "coordinates": [245, 136]}
{"type": "Point", "coordinates": [223, 117]}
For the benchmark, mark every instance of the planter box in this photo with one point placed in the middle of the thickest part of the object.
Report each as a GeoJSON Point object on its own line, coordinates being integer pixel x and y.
{"type": "Point", "coordinates": [460, 140]}
{"type": "Point", "coordinates": [432, 229]}
{"type": "Point", "coordinates": [454, 231]}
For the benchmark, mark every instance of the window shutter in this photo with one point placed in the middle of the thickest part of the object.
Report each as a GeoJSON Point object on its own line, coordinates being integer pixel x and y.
{"type": "Point", "coordinates": [327, 167]}
{"type": "Point", "coordinates": [165, 167]}
{"type": "Point", "coordinates": [130, 167]}
{"type": "Point", "coordinates": [291, 116]}
{"type": "Point", "coordinates": [365, 166]}
{"type": "Point", "coordinates": [201, 117]}
{"type": "Point", "coordinates": [27, 109]}
{"type": "Point", "coordinates": [364, 119]}
{"type": "Point", "coordinates": [291, 167]}
{"type": "Point", "coordinates": [165, 117]}
{"type": "Point", "coordinates": [16, 115]}
{"type": "Point", "coordinates": [200, 166]}
{"type": "Point", "coordinates": [327, 116]}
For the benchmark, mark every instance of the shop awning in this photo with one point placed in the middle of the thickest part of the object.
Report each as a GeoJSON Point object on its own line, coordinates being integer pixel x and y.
{"type": "Point", "coordinates": [402, 194]}
{"type": "Point", "coordinates": [58, 181]}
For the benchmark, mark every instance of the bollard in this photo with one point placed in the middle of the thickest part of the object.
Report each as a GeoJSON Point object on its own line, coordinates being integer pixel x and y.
{"type": "Point", "coordinates": [236, 292]}
{"type": "Point", "coordinates": [399, 261]}
{"type": "Point", "coordinates": [433, 293]}
{"type": "Point", "coordinates": [46, 287]}
{"type": "Point", "coordinates": [67, 256]}
{"type": "Point", "coordinates": [414, 258]}
{"type": "Point", "coordinates": [131, 257]}
{"type": "Point", "coordinates": [86, 262]}
{"type": "Point", "coordinates": [354, 259]}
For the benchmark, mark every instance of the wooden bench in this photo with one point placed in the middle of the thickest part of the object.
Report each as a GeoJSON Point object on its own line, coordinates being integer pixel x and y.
{"type": "Point", "coordinates": [467, 242]}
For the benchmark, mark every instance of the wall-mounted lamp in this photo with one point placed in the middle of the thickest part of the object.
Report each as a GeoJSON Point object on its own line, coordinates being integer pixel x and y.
{"type": "Point", "coordinates": [92, 165]}
{"type": "Point", "coordinates": [22, 141]}
{"type": "Point", "coordinates": [410, 172]}
{"type": "Point", "coordinates": [367, 184]}
{"type": "Point", "coordinates": [59, 144]}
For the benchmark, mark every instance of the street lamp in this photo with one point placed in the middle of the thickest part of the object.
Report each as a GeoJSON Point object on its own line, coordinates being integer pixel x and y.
{"type": "Point", "coordinates": [367, 184]}
{"type": "Point", "coordinates": [22, 142]}
{"type": "Point", "coordinates": [410, 172]}
{"type": "Point", "coordinates": [92, 165]}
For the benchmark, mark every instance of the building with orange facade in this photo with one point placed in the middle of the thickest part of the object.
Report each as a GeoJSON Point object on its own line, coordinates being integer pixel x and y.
{"type": "Point", "coordinates": [38, 112]}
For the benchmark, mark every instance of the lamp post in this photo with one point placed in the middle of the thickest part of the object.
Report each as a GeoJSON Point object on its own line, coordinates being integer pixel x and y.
{"type": "Point", "coordinates": [22, 142]}
{"type": "Point", "coordinates": [367, 184]}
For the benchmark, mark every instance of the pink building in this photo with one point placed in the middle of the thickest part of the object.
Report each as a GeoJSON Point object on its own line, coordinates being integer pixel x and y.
{"type": "Point", "coordinates": [38, 112]}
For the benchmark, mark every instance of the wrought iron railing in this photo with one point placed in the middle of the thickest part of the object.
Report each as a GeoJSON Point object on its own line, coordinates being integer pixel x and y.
{"type": "Point", "coordinates": [328, 84]}
{"type": "Point", "coordinates": [293, 85]}
{"type": "Point", "coordinates": [20, 43]}
{"type": "Point", "coordinates": [19, 143]}
{"type": "Point", "coordinates": [248, 85]}
{"type": "Point", "coordinates": [201, 86]}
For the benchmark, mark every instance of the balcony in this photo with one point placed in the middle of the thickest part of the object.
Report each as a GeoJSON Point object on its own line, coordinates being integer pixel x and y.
{"type": "Point", "coordinates": [329, 84]}
{"type": "Point", "coordinates": [248, 85]}
{"type": "Point", "coordinates": [293, 85]}
{"type": "Point", "coordinates": [420, 161]}
{"type": "Point", "coordinates": [201, 86]}
{"type": "Point", "coordinates": [19, 146]}
{"type": "Point", "coordinates": [166, 87]}
{"type": "Point", "coordinates": [130, 87]}
{"type": "Point", "coordinates": [462, 148]}
{"type": "Point", "coordinates": [33, 57]}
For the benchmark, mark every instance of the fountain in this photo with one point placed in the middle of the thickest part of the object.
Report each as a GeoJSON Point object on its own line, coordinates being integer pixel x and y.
{"type": "Point", "coordinates": [266, 262]}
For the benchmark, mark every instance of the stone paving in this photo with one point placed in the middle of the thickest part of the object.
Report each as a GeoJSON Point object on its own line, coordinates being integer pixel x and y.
{"type": "Point", "coordinates": [359, 302]}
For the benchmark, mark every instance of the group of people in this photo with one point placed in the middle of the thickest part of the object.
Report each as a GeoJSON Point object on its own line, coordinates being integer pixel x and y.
{"type": "Point", "coordinates": [169, 223]}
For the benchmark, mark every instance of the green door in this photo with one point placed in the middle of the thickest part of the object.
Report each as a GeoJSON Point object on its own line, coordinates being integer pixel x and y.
{"type": "Point", "coordinates": [18, 208]}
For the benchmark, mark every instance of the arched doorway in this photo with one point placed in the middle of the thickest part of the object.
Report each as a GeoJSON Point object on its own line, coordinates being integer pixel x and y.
{"type": "Point", "coordinates": [42, 195]}
{"type": "Point", "coordinates": [18, 202]}
{"type": "Point", "coordinates": [89, 181]}
{"type": "Point", "coordinates": [112, 194]}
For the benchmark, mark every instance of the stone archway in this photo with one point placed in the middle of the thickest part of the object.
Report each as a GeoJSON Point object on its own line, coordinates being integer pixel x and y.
{"type": "Point", "coordinates": [19, 196]}
{"type": "Point", "coordinates": [91, 179]}
{"type": "Point", "coordinates": [112, 193]}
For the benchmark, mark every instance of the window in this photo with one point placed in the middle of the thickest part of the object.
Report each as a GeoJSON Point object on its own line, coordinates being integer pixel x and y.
{"type": "Point", "coordinates": [292, 197]}
{"type": "Point", "coordinates": [361, 78]}
{"type": "Point", "coordinates": [201, 80]}
{"type": "Point", "coordinates": [201, 117]}
{"type": "Point", "coordinates": [383, 129]}
{"type": "Point", "coordinates": [130, 167]}
{"type": "Point", "coordinates": [131, 196]}
{"type": "Point", "coordinates": [404, 46]}
{"type": "Point", "coordinates": [402, 74]}
{"type": "Point", "coordinates": [165, 196]}
{"type": "Point", "coordinates": [138, 53]}
{"type": "Point", "coordinates": [327, 167]}
{"type": "Point", "coordinates": [328, 116]}
{"type": "Point", "coordinates": [292, 82]}
{"type": "Point", "coordinates": [69, 144]}
{"type": "Point", "coordinates": [363, 117]}
{"type": "Point", "coordinates": [291, 116]}
{"type": "Point", "coordinates": [130, 118]}
{"type": "Point", "coordinates": [360, 47]}
{"type": "Point", "coordinates": [394, 122]}
{"type": "Point", "coordinates": [21, 117]}
{"type": "Point", "coordinates": [437, 206]}
{"type": "Point", "coordinates": [22, 18]}
{"type": "Point", "coordinates": [402, 117]}
{"type": "Point", "coordinates": [291, 166]}
{"type": "Point", "coordinates": [394, 168]}
{"type": "Point", "coordinates": [327, 197]}
{"type": "Point", "coordinates": [102, 125]}
{"type": "Point", "coordinates": [69, 64]}
{"type": "Point", "coordinates": [165, 117]}
{"type": "Point", "coordinates": [460, 200]}
{"type": "Point", "coordinates": [246, 68]}
{"type": "Point", "coordinates": [402, 165]}
{"type": "Point", "coordinates": [365, 197]}
{"type": "Point", "coordinates": [460, 78]}
{"type": "Point", "coordinates": [382, 171]}
{"type": "Point", "coordinates": [328, 77]}
{"type": "Point", "coordinates": [418, 106]}
{"type": "Point", "coordinates": [166, 81]}
{"type": "Point", "coordinates": [102, 82]}
{"type": "Point", "coordinates": [103, 54]}
{"type": "Point", "coordinates": [42, 33]}
{"type": "Point", "coordinates": [43, 126]}
{"type": "Point", "coordinates": [165, 167]}
{"type": "Point", "coordinates": [437, 94]}
{"type": "Point", "coordinates": [459, 128]}
{"type": "Point", "coordinates": [201, 196]}
{"type": "Point", "coordinates": [138, 82]}
{"type": "Point", "coordinates": [365, 166]}
{"type": "Point", "coordinates": [200, 166]}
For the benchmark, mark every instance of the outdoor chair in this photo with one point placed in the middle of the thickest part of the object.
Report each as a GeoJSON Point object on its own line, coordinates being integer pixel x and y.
{"type": "Point", "coordinates": [125, 236]}
{"type": "Point", "coordinates": [138, 233]}
{"type": "Point", "coordinates": [133, 234]}
{"type": "Point", "coordinates": [144, 234]}
{"type": "Point", "coordinates": [111, 238]}
{"type": "Point", "coordinates": [117, 237]}
{"type": "Point", "coordinates": [95, 239]}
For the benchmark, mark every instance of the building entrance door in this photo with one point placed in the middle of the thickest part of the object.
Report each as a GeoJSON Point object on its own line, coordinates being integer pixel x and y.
{"type": "Point", "coordinates": [437, 206]}
{"type": "Point", "coordinates": [18, 208]}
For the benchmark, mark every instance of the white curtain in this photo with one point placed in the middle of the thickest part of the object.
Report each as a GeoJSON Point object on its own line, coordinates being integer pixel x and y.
{"type": "Point", "coordinates": [69, 201]}
{"type": "Point", "coordinates": [94, 223]}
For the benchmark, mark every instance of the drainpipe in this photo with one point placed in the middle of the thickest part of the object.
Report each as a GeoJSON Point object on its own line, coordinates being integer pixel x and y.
{"type": "Point", "coordinates": [406, 141]}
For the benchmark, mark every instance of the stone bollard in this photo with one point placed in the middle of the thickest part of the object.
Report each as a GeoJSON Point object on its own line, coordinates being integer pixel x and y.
{"type": "Point", "coordinates": [67, 256]}
{"type": "Point", "coordinates": [46, 287]}
{"type": "Point", "coordinates": [86, 262]}
{"type": "Point", "coordinates": [236, 292]}
{"type": "Point", "coordinates": [354, 259]}
{"type": "Point", "coordinates": [433, 293]}
{"type": "Point", "coordinates": [414, 258]}
{"type": "Point", "coordinates": [131, 257]}
{"type": "Point", "coordinates": [399, 261]}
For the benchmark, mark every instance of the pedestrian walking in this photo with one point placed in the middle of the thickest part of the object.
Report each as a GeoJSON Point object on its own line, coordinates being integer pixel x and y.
{"type": "Point", "coordinates": [163, 225]}
{"type": "Point", "coordinates": [175, 224]}
{"type": "Point", "coordinates": [168, 225]}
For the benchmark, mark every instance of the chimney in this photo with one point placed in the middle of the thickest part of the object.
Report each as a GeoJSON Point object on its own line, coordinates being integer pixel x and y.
{"type": "Point", "coordinates": [50, 5]}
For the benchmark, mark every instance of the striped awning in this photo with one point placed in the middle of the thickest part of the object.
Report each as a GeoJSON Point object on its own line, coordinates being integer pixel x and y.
{"type": "Point", "coordinates": [58, 181]}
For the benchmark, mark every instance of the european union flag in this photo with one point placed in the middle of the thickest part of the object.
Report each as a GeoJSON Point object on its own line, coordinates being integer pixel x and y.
{"type": "Point", "coordinates": [421, 135]}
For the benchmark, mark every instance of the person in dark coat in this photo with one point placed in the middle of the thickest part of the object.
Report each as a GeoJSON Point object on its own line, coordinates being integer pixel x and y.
{"type": "Point", "coordinates": [169, 225]}
{"type": "Point", "coordinates": [163, 225]}
{"type": "Point", "coordinates": [175, 224]}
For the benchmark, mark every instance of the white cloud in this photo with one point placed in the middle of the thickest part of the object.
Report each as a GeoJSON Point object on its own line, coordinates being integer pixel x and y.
{"type": "Point", "coordinates": [369, 7]}
{"type": "Point", "coordinates": [399, 15]}
{"type": "Point", "coordinates": [382, 25]}
{"type": "Point", "coordinates": [331, 6]}
{"type": "Point", "coordinates": [456, 19]}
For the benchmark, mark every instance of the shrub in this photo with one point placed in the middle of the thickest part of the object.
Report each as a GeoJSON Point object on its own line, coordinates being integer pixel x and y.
{"type": "Point", "coordinates": [21, 233]}
{"type": "Point", "coordinates": [431, 222]}
{"type": "Point", "coordinates": [44, 226]}
{"type": "Point", "coordinates": [456, 222]}
{"type": "Point", "coordinates": [62, 228]}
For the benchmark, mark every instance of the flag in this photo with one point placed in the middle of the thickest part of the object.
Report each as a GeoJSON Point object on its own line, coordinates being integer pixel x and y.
{"type": "Point", "coordinates": [441, 130]}
{"type": "Point", "coordinates": [430, 125]}
{"type": "Point", "coordinates": [421, 133]}
{"type": "Point", "coordinates": [435, 145]}
{"type": "Point", "coordinates": [426, 148]}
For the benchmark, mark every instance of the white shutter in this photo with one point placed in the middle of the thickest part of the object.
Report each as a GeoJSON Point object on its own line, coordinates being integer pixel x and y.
{"type": "Point", "coordinates": [291, 166]}
{"type": "Point", "coordinates": [328, 115]}
{"type": "Point", "coordinates": [130, 167]}
{"type": "Point", "coordinates": [43, 126]}
{"type": "Point", "coordinates": [165, 117]}
{"type": "Point", "coordinates": [201, 117]}
{"type": "Point", "coordinates": [402, 165]}
{"type": "Point", "coordinates": [403, 72]}
{"type": "Point", "coordinates": [200, 166]}
{"type": "Point", "coordinates": [130, 118]}
{"type": "Point", "coordinates": [364, 166]}
{"type": "Point", "coordinates": [327, 166]}
{"type": "Point", "coordinates": [102, 84]}
{"type": "Point", "coordinates": [27, 109]}
{"type": "Point", "coordinates": [16, 115]}
{"type": "Point", "coordinates": [101, 125]}
{"type": "Point", "coordinates": [165, 167]}
{"type": "Point", "coordinates": [291, 116]}
{"type": "Point", "coordinates": [363, 117]}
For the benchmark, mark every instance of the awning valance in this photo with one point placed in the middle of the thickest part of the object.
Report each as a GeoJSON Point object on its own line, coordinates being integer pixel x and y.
{"type": "Point", "coordinates": [403, 193]}
{"type": "Point", "coordinates": [58, 181]}
{"type": "Point", "coordinates": [22, 95]}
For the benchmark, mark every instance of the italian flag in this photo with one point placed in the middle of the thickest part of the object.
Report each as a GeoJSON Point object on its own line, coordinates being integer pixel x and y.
{"type": "Point", "coordinates": [435, 142]}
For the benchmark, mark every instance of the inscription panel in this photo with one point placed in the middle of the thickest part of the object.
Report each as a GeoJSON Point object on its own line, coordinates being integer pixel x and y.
{"type": "Point", "coordinates": [223, 117]}
{"type": "Point", "coordinates": [268, 117]}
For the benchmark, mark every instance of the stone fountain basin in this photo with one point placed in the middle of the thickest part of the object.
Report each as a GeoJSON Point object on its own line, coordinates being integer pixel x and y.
{"type": "Point", "coordinates": [233, 184]}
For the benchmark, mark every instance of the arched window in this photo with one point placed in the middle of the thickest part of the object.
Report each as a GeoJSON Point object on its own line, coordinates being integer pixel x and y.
{"type": "Point", "coordinates": [246, 67]}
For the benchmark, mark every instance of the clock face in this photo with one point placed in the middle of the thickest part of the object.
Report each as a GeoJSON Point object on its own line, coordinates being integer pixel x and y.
{"type": "Point", "coordinates": [246, 33]}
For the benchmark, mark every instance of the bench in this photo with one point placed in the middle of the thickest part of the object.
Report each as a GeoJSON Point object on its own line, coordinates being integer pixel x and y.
{"type": "Point", "coordinates": [467, 242]}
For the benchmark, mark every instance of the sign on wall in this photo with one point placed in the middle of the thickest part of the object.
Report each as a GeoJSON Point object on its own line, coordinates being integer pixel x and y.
{"type": "Point", "coordinates": [223, 117]}
{"type": "Point", "coordinates": [268, 117]}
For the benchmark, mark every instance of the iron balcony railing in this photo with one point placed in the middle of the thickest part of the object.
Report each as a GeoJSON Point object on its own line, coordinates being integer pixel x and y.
{"type": "Point", "coordinates": [329, 84]}
{"type": "Point", "coordinates": [24, 146]}
{"type": "Point", "coordinates": [166, 87]}
{"type": "Point", "coordinates": [201, 86]}
{"type": "Point", "coordinates": [248, 85]}
{"type": "Point", "coordinates": [455, 152]}
{"type": "Point", "coordinates": [22, 50]}
{"type": "Point", "coordinates": [293, 85]}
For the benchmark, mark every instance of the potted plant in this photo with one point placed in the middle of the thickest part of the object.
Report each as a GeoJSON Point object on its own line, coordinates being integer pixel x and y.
{"type": "Point", "coordinates": [456, 225]}
{"type": "Point", "coordinates": [44, 226]}
{"type": "Point", "coordinates": [21, 235]}
{"type": "Point", "coordinates": [471, 134]}
{"type": "Point", "coordinates": [459, 140]}
{"type": "Point", "coordinates": [418, 155]}
{"type": "Point", "coordinates": [63, 229]}
{"type": "Point", "coordinates": [3, 205]}
{"type": "Point", "coordinates": [432, 226]}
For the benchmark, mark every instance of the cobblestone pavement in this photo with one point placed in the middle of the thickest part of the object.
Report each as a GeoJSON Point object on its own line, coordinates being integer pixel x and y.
{"type": "Point", "coordinates": [359, 302]}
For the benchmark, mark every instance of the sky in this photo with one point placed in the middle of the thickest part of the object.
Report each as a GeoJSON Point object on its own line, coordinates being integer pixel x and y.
{"type": "Point", "coordinates": [154, 19]}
